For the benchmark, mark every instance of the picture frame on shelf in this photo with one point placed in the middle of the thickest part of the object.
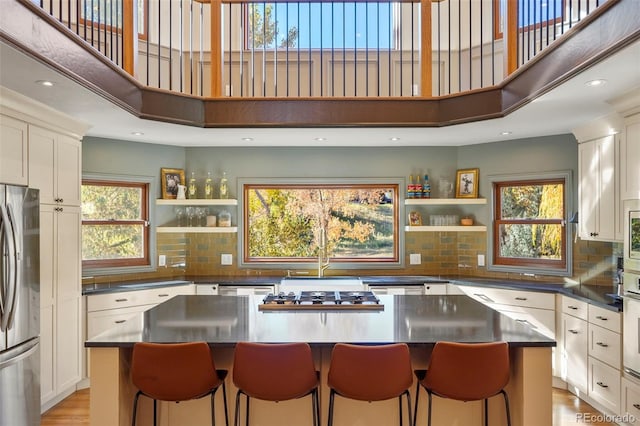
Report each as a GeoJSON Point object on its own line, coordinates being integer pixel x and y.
{"type": "Point", "coordinates": [415, 219]}
{"type": "Point", "coordinates": [467, 183]}
{"type": "Point", "coordinates": [171, 178]}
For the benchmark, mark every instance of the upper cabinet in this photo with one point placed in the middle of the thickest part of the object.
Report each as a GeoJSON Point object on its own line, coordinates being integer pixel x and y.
{"type": "Point", "coordinates": [598, 189]}
{"type": "Point", "coordinates": [55, 166]}
{"type": "Point", "coordinates": [630, 159]}
{"type": "Point", "coordinates": [13, 151]}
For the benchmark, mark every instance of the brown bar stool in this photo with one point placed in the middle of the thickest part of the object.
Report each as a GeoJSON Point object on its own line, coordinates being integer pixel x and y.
{"type": "Point", "coordinates": [274, 372]}
{"type": "Point", "coordinates": [370, 373]}
{"type": "Point", "coordinates": [466, 372]}
{"type": "Point", "coordinates": [176, 372]}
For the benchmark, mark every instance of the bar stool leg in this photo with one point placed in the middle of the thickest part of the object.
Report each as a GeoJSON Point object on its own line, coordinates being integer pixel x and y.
{"type": "Point", "coordinates": [213, 408]}
{"type": "Point", "coordinates": [415, 408]}
{"type": "Point", "coordinates": [506, 406]}
{"type": "Point", "coordinates": [332, 395]}
{"type": "Point", "coordinates": [408, 407]}
{"type": "Point", "coordinates": [155, 413]}
{"type": "Point", "coordinates": [247, 418]}
{"type": "Point", "coordinates": [429, 410]}
{"type": "Point", "coordinates": [315, 404]}
{"type": "Point", "coordinates": [135, 408]}
{"type": "Point", "coordinates": [236, 418]}
{"type": "Point", "coordinates": [226, 409]}
{"type": "Point", "coordinates": [486, 412]}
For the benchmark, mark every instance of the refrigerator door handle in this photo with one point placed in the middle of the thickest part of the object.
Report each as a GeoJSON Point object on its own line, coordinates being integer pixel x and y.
{"type": "Point", "coordinates": [4, 260]}
{"type": "Point", "coordinates": [16, 267]}
{"type": "Point", "coordinates": [19, 353]}
{"type": "Point", "coordinates": [7, 292]}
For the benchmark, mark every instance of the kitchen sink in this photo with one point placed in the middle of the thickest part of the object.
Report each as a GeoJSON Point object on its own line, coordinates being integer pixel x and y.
{"type": "Point", "coordinates": [296, 284]}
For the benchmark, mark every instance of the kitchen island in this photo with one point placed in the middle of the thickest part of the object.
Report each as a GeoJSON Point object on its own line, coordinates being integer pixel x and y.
{"type": "Point", "coordinates": [419, 321]}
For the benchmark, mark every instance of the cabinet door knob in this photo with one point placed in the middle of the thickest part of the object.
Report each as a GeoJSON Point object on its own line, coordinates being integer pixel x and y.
{"type": "Point", "coordinates": [636, 406]}
{"type": "Point", "coordinates": [121, 300]}
{"type": "Point", "coordinates": [521, 298]}
{"type": "Point", "coordinates": [120, 321]}
{"type": "Point", "coordinates": [603, 345]}
{"type": "Point", "coordinates": [163, 295]}
{"type": "Point", "coordinates": [573, 331]}
{"type": "Point", "coordinates": [602, 385]}
{"type": "Point", "coordinates": [575, 308]}
{"type": "Point", "coordinates": [601, 318]}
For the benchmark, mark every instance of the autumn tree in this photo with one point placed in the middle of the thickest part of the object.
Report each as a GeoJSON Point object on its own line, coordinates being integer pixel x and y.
{"type": "Point", "coordinates": [263, 28]}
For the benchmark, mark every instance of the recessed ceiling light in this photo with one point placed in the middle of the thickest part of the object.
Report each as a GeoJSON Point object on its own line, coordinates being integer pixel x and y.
{"type": "Point", "coordinates": [137, 133]}
{"type": "Point", "coordinates": [394, 139]}
{"type": "Point", "coordinates": [505, 133]}
{"type": "Point", "coordinates": [247, 139]}
{"type": "Point", "coordinates": [45, 83]}
{"type": "Point", "coordinates": [595, 83]}
{"type": "Point", "coordinates": [321, 139]}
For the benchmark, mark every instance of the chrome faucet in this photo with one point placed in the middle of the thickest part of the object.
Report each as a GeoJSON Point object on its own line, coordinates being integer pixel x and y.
{"type": "Point", "coordinates": [323, 259]}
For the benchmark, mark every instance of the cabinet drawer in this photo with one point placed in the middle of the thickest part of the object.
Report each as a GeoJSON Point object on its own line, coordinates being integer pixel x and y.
{"type": "Point", "coordinates": [574, 307]}
{"type": "Point", "coordinates": [127, 299]}
{"type": "Point", "coordinates": [630, 402]}
{"type": "Point", "coordinates": [435, 289]}
{"type": "Point", "coordinates": [605, 318]}
{"type": "Point", "coordinates": [541, 320]}
{"type": "Point", "coordinates": [100, 321]}
{"type": "Point", "coordinates": [530, 299]}
{"type": "Point", "coordinates": [605, 345]}
{"type": "Point", "coordinates": [604, 384]}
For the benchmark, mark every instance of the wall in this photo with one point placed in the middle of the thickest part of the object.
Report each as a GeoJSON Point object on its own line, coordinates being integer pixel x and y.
{"type": "Point", "coordinates": [444, 253]}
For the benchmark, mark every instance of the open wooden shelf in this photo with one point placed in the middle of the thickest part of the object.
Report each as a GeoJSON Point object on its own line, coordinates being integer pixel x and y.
{"type": "Point", "coordinates": [453, 228]}
{"type": "Point", "coordinates": [443, 201]}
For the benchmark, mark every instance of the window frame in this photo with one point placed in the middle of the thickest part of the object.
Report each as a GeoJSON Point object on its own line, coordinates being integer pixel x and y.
{"type": "Point", "coordinates": [102, 26]}
{"type": "Point", "coordinates": [116, 266]}
{"type": "Point", "coordinates": [498, 34]}
{"type": "Point", "coordinates": [311, 263]}
{"type": "Point", "coordinates": [531, 266]}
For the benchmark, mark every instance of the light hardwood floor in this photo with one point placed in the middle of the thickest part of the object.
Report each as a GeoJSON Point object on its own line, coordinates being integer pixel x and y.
{"type": "Point", "coordinates": [74, 411]}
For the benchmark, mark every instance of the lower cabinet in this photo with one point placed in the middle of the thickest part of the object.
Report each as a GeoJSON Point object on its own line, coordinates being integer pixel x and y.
{"type": "Point", "coordinates": [241, 290]}
{"type": "Point", "coordinates": [604, 384]}
{"type": "Point", "coordinates": [105, 311]}
{"type": "Point", "coordinates": [575, 336]}
{"type": "Point", "coordinates": [630, 402]}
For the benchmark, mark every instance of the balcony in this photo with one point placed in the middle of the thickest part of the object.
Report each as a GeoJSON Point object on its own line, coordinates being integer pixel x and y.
{"type": "Point", "coordinates": [160, 66]}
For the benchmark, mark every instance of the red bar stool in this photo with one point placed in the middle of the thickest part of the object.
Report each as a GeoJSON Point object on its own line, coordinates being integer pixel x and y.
{"type": "Point", "coordinates": [466, 372]}
{"type": "Point", "coordinates": [275, 372]}
{"type": "Point", "coordinates": [370, 373]}
{"type": "Point", "coordinates": [176, 372]}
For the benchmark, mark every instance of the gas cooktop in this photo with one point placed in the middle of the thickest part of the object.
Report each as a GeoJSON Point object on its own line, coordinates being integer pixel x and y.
{"type": "Point", "coordinates": [321, 300]}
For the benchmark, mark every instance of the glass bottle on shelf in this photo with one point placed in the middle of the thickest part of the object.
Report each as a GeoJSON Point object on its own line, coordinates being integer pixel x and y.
{"type": "Point", "coordinates": [224, 186]}
{"type": "Point", "coordinates": [426, 187]}
{"type": "Point", "coordinates": [192, 189]}
{"type": "Point", "coordinates": [208, 187]}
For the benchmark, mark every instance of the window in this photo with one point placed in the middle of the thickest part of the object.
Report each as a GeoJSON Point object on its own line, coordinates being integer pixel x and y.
{"type": "Point", "coordinates": [529, 226]}
{"type": "Point", "coordinates": [115, 224]}
{"type": "Point", "coordinates": [350, 25]}
{"type": "Point", "coordinates": [531, 14]}
{"type": "Point", "coordinates": [290, 223]}
{"type": "Point", "coordinates": [109, 14]}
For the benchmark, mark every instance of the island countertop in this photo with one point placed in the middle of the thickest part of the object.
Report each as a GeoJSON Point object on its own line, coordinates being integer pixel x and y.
{"type": "Point", "coordinates": [415, 320]}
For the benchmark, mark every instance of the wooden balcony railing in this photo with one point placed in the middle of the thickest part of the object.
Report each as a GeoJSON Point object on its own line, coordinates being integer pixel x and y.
{"type": "Point", "coordinates": [301, 49]}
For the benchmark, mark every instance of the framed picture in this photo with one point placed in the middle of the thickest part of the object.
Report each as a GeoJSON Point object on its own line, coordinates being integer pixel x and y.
{"type": "Point", "coordinates": [415, 219]}
{"type": "Point", "coordinates": [171, 178]}
{"type": "Point", "coordinates": [467, 183]}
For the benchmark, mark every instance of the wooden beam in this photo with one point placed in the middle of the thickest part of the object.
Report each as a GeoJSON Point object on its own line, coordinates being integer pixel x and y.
{"type": "Point", "coordinates": [216, 48]}
{"type": "Point", "coordinates": [511, 36]}
{"type": "Point", "coordinates": [129, 36]}
{"type": "Point", "coordinates": [426, 73]}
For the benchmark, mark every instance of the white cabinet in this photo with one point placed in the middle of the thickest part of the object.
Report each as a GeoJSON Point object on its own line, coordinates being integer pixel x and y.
{"type": "Point", "coordinates": [60, 303]}
{"type": "Point", "coordinates": [55, 166]}
{"type": "Point", "coordinates": [443, 202]}
{"type": "Point", "coordinates": [575, 336]}
{"type": "Point", "coordinates": [13, 151]}
{"type": "Point", "coordinates": [598, 190]}
{"type": "Point", "coordinates": [210, 289]}
{"type": "Point", "coordinates": [604, 384]}
{"type": "Point", "coordinates": [108, 310]}
{"type": "Point", "coordinates": [630, 401]}
{"type": "Point", "coordinates": [630, 159]}
{"type": "Point", "coordinates": [248, 290]}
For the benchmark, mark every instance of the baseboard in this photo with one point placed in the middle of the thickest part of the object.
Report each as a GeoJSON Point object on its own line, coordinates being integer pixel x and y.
{"type": "Point", "coordinates": [56, 399]}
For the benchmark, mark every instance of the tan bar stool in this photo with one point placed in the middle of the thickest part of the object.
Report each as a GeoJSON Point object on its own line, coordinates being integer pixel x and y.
{"type": "Point", "coordinates": [370, 373]}
{"type": "Point", "coordinates": [275, 372]}
{"type": "Point", "coordinates": [176, 372]}
{"type": "Point", "coordinates": [466, 372]}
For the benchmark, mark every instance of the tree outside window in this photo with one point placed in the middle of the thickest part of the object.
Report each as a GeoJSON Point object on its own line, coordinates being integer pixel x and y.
{"type": "Point", "coordinates": [290, 223]}
{"type": "Point", "coordinates": [529, 228]}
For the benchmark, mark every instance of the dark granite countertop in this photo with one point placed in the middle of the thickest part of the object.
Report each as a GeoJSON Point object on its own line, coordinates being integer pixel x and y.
{"type": "Point", "coordinates": [415, 320]}
{"type": "Point", "coordinates": [598, 295]}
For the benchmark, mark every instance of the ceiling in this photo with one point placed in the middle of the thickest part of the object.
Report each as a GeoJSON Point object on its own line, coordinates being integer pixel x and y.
{"type": "Point", "coordinates": [557, 112]}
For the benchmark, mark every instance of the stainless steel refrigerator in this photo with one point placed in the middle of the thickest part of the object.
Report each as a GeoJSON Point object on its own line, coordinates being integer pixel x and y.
{"type": "Point", "coordinates": [19, 306]}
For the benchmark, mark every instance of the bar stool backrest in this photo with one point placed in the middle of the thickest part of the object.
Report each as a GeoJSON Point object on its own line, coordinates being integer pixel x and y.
{"type": "Point", "coordinates": [173, 372]}
{"type": "Point", "coordinates": [370, 373]}
{"type": "Point", "coordinates": [274, 372]}
{"type": "Point", "coordinates": [468, 371]}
